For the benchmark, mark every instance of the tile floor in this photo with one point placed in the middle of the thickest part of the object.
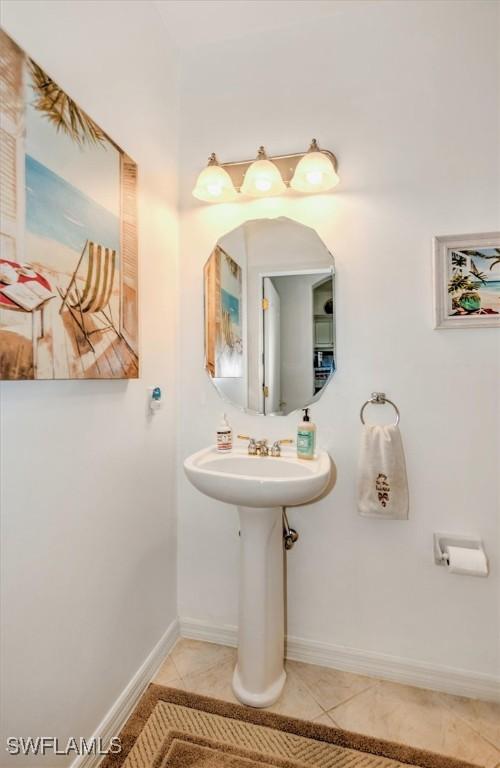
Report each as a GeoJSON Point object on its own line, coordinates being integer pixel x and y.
{"type": "Point", "coordinates": [463, 728]}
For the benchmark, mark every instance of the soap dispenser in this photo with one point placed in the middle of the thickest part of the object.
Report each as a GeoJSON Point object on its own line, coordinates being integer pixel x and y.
{"type": "Point", "coordinates": [306, 437]}
{"type": "Point", "coordinates": [224, 436]}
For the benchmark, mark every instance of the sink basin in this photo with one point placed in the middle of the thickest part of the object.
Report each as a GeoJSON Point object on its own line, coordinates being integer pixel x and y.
{"type": "Point", "coordinates": [257, 481]}
{"type": "Point", "coordinates": [260, 486]}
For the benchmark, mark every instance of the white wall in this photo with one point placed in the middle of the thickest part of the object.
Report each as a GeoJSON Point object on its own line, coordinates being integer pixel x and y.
{"type": "Point", "coordinates": [88, 481]}
{"type": "Point", "coordinates": [407, 96]}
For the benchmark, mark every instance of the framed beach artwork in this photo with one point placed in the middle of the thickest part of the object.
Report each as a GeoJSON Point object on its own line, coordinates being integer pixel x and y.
{"type": "Point", "coordinates": [223, 316]}
{"type": "Point", "coordinates": [467, 281]}
{"type": "Point", "coordinates": [68, 234]}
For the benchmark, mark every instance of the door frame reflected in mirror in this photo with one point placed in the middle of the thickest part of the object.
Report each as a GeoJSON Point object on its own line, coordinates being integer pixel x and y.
{"type": "Point", "coordinates": [267, 345]}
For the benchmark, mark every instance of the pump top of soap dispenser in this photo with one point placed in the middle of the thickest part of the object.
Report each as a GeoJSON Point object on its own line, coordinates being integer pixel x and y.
{"type": "Point", "coordinates": [306, 415]}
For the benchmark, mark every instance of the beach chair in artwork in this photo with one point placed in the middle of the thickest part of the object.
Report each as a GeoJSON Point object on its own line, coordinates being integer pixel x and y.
{"type": "Point", "coordinates": [93, 296]}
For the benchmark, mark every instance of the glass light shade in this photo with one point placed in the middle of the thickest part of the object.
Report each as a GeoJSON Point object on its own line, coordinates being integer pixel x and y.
{"type": "Point", "coordinates": [315, 172]}
{"type": "Point", "coordinates": [262, 178]}
{"type": "Point", "coordinates": [214, 184]}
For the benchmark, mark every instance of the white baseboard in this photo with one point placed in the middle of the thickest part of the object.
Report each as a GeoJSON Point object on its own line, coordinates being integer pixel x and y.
{"type": "Point", "coordinates": [114, 720]}
{"type": "Point", "coordinates": [222, 634]}
{"type": "Point", "coordinates": [399, 670]}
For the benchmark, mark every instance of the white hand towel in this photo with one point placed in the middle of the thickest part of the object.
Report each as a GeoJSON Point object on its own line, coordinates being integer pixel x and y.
{"type": "Point", "coordinates": [382, 481]}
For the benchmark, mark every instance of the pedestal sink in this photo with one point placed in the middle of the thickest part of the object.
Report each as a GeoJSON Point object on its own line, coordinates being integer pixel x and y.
{"type": "Point", "coordinates": [260, 487]}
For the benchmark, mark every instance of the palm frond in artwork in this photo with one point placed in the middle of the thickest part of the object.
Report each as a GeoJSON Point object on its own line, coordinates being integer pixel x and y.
{"type": "Point", "coordinates": [486, 256]}
{"type": "Point", "coordinates": [496, 259]}
{"type": "Point", "coordinates": [476, 272]}
{"type": "Point", "coordinates": [61, 110]}
{"type": "Point", "coordinates": [460, 283]}
{"type": "Point", "coordinates": [458, 260]}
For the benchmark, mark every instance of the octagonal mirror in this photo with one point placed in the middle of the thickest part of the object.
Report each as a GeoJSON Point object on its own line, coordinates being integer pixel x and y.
{"type": "Point", "coordinates": [270, 316]}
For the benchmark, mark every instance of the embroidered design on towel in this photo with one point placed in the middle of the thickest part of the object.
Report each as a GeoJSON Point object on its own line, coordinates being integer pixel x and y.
{"type": "Point", "coordinates": [383, 489]}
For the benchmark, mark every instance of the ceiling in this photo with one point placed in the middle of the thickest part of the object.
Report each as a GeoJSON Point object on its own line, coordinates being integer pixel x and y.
{"type": "Point", "coordinates": [196, 22]}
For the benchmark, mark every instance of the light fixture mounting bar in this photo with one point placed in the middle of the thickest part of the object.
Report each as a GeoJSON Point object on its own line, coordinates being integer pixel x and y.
{"type": "Point", "coordinates": [286, 165]}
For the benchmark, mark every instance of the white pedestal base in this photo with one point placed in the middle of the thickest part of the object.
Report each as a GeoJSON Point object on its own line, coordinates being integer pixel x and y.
{"type": "Point", "coordinates": [263, 699]}
{"type": "Point", "coordinates": [259, 675]}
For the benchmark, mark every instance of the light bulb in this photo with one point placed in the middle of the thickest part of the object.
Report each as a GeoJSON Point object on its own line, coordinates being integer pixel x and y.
{"type": "Point", "coordinates": [215, 190]}
{"type": "Point", "coordinates": [214, 184]}
{"type": "Point", "coordinates": [263, 185]}
{"type": "Point", "coordinates": [314, 177]}
{"type": "Point", "coordinates": [262, 178]}
{"type": "Point", "coordinates": [315, 172]}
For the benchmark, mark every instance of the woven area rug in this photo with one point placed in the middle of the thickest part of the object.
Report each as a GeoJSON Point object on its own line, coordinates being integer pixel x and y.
{"type": "Point", "coordinates": [173, 729]}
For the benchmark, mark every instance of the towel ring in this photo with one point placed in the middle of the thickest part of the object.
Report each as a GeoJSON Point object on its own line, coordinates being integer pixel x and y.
{"type": "Point", "coordinates": [379, 398]}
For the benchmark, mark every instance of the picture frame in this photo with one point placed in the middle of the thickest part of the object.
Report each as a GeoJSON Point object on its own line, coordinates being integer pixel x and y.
{"type": "Point", "coordinates": [69, 236]}
{"type": "Point", "coordinates": [466, 271]}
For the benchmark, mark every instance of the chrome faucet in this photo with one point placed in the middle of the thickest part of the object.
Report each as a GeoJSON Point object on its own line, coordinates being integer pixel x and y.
{"type": "Point", "coordinates": [276, 447]}
{"type": "Point", "coordinates": [261, 448]}
{"type": "Point", "coordinates": [256, 447]}
{"type": "Point", "coordinates": [253, 446]}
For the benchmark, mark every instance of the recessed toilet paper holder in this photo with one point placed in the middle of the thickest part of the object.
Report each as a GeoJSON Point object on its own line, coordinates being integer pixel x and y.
{"type": "Point", "coordinates": [444, 540]}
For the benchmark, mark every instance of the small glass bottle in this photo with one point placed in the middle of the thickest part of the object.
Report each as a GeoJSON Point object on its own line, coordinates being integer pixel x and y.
{"type": "Point", "coordinates": [224, 436]}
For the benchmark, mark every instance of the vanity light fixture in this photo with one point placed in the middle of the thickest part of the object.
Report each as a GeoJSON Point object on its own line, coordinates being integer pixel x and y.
{"type": "Point", "coordinates": [262, 177]}
{"type": "Point", "coordinates": [214, 184]}
{"type": "Point", "coordinates": [315, 172]}
{"type": "Point", "coordinates": [304, 172]}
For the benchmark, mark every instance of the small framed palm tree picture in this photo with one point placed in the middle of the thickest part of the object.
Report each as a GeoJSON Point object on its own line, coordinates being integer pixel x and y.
{"type": "Point", "coordinates": [467, 280]}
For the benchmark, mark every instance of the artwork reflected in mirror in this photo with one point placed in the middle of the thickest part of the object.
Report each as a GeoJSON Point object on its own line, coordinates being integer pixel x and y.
{"type": "Point", "coordinates": [270, 316]}
{"type": "Point", "coordinates": [223, 340]}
